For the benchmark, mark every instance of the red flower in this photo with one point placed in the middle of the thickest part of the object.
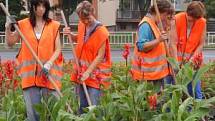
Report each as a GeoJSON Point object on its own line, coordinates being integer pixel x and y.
{"type": "Point", "coordinates": [1, 78]}
{"type": "Point", "coordinates": [82, 69]}
{"type": "Point", "coordinates": [197, 60]}
{"type": "Point", "coordinates": [9, 69]}
{"type": "Point", "coordinates": [96, 75]}
{"type": "Point", "coordinates": [131, 72]}
{"type": "Point", "coordinates": [126, 51]}
{"type": "Point", "coordinates": [152, 101]}
{"type": "Point", "coordinates": [8, 74]}
{"type": "Point", "coordinates": [60, 57]}
{"type": "Point", "coordinates": [125, 54]}
{"type": "Point", "coordinates": [126, 46]}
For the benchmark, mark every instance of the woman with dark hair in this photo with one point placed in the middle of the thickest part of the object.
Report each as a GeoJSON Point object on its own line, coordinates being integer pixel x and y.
{"type": "Point", "coordinates": [149, 62]}
{"type": "Point", "coordinates": [43, 35]}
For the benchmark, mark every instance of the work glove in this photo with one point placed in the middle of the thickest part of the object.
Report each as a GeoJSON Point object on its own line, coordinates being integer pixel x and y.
{"type": "Point", "coordinates": [46, 67]}
{"type": "Point", "coordinates": [12, 19]}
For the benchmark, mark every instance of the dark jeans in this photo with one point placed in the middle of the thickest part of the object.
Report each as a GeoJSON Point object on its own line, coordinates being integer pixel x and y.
{"type": "Point", "coordinates": [32, 96]}
{"type": "Point", "coordinates": [93, 93]}
{"type": "Point", "coordinates": [198, 93]}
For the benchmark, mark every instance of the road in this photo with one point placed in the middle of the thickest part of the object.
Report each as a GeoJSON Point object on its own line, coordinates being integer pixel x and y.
{"type": "Point", "coordinates": [116, 55]}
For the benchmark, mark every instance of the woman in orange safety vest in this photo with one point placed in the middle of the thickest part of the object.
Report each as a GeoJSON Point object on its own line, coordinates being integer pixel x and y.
{"type": "Point", "coordinates": [191, 34]}
{"type": "Point", "coordinates": [149, 61]}
{"type": "Point", "coordinates": [43, 35]}
{"type": "Point", "coordinates": [93, 53]}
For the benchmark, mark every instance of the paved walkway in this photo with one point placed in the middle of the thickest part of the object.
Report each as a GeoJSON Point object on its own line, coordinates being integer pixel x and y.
{"type": "Point", "coordinates": [116, 55]}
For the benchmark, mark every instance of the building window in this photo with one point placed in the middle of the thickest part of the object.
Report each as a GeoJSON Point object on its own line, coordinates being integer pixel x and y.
{"type": "Point", "coordinates": [122, 27]}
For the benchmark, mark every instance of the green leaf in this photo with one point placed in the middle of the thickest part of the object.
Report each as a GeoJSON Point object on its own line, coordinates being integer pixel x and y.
{"type": "Point", "coordinates": [176, 96]}
{"type": "Point", "coordinates": [165, 106]}
{"type": "Point", "coordinates": [198, 74]}
{"type": "Point", "coordinates": [173, 63]}
{"type": "Point", "coordinates": [183, 106]}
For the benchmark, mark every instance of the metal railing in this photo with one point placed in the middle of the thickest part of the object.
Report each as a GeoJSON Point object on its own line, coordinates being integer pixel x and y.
{"type": "Point", "coordinates": [2, 38]}
{"type": "Point", "coordinates": [210, 38]}
{"type": "Point", "coordinates": [119, 38]}
{"type": "Point", "coordinates": [116, 38]}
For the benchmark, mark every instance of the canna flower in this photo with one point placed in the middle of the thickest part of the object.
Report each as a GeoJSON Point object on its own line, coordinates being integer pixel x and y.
{"type": "Point", "coordinates": [8, 75]}
{"type": "Point", "coordinates": [9, 70]}
{"type": "Point", "coordinates": [1, 78]}
{"type": "Point", "coordinates": [60, 57]}
{"type": "Point", "coordinates": [126, 51]}
{"type": "Point", "coordinates": [197, 60]}
{"type": "Point", "coordinates": [152, 101]}
{"type": "Point", "coordinates": [82, 69]}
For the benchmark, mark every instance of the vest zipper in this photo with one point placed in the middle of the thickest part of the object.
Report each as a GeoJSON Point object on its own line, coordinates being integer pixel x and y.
{"type": "Point", "coordinates": [38, 43]}
{"type": "Point", "coordinates": [36, 68]}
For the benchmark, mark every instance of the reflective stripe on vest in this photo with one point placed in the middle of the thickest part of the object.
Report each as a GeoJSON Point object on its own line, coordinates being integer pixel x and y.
{"type": "Point", "coordinates": [26, 63]}
{"type": "Point", "coordinates": [27, 74]}
{"type": "Point", "coordinates": [44, 48]}
{"type": "Point", "coordinates": [182, 57]}
{"type": "Point", "coordinates": [150, 65]}
{"type": "Point", "coordinates": [186, 55]}
{"type": "Point", "coordinates": [105, 70]}
{"type": "Point", "coordinates": [150, 69]}
{"type": "Point", "coordinates": [150, 60]}
{"type": "Point", "coordinates": [55, 77]}
{"type": "Point", "coordinates": [32, 73]}
{"type": "Point", "coordinates": [100, 70]}
{"type": "Point", "coordinates": [56, 67]}
{"type": "Point", "coordinates": [187, 45]}
{"type": "Point", "coordinates": [87, 52]}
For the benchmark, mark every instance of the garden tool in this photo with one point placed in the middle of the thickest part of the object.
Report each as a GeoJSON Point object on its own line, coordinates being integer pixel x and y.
{"type": "Point", "coordinates": [78, 66]}
{"type": "Point", "coordinates": [33, 53]}
{"type": "Point", "coordinates": [165, 42]}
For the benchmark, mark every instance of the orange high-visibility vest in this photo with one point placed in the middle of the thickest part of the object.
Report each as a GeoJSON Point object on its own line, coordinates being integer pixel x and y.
{"type": "Point", "coordinates": [188, 44]}
{"type": "Point", "coordinates": [87, 52]}
{"type": "Point", "coordinates": [28, 69]}
{"type": "Point", "coordinates": [153, 64]}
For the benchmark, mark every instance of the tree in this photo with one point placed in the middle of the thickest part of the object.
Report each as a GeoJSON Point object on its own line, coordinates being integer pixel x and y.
{"type": "Point", "coordinates": [15, 7]}
{"type": "Point", "coordinates": [144, 6]}
{"type": "Point", "coordinates": [69, 6]}
{"type": "Point", "coordinates": [210, 8]}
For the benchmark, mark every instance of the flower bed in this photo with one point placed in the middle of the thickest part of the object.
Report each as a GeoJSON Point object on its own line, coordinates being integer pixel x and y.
{"type": "Point", "coordinates": [126, 100]}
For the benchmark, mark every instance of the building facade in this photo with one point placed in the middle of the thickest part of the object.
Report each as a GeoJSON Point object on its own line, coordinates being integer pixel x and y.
{"type": "Point", "coordinates": [117, 15]}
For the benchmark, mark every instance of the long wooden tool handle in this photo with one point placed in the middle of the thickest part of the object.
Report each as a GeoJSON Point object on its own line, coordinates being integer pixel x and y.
{"type": "Point", "coordinates": [76, 60]}
{"type": "Point", "coordinates": [70, 39]}
{"type": "Point", "coordinates": [162, 30]}
{"type": "Point", "coordinates": [32, 51]}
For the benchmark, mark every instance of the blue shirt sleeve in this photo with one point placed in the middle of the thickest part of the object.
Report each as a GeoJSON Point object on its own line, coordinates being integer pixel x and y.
{"type": "Point", "coordinates": [145, 34]}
